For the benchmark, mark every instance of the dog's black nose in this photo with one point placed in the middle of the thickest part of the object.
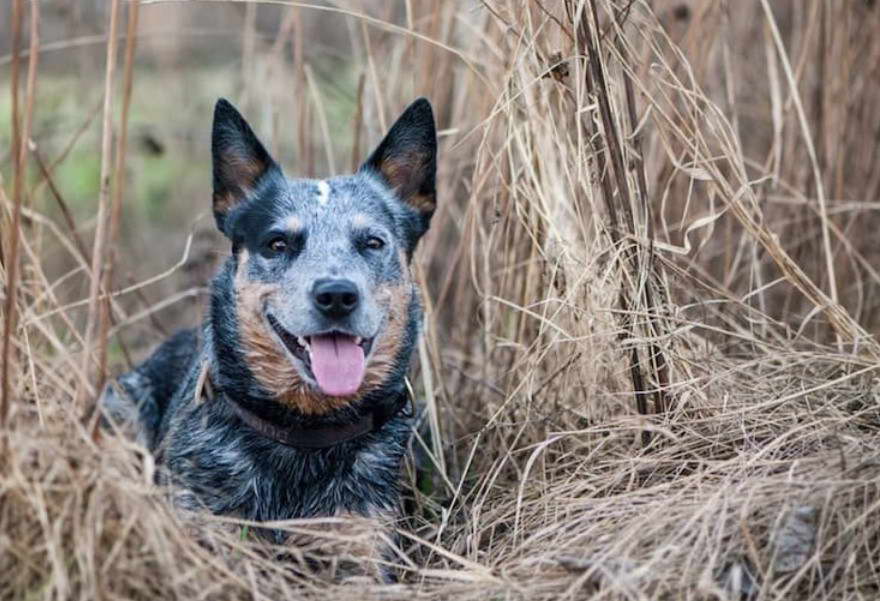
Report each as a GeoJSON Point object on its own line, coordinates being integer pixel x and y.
{"type": "Point", "coordinates": [335, 298]}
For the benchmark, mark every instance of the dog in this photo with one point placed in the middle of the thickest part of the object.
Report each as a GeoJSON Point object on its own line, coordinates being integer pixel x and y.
{"type": "Point", "coordinates": [290, 400]}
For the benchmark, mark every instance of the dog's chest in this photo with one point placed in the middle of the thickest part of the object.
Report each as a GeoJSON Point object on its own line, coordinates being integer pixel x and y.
{"type": "Point", "coordinates": [239, 473]}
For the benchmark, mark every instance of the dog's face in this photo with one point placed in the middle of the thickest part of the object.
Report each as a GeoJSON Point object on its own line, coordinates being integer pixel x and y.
{"type": "Point", "coordinates": [323, 303]}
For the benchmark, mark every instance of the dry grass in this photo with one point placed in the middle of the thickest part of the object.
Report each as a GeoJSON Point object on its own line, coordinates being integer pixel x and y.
{"type": "Point", "coordinates": [651, 291]}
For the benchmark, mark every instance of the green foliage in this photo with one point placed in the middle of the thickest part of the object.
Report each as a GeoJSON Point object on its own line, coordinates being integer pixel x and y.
{"type": "Point", "coordinates": [80, 178]}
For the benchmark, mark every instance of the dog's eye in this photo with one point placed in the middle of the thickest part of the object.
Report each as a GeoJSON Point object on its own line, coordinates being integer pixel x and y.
{"type": "Point", "coordinates": [277, 245]}
{"type": "Point", "coordinates": [374, 243]}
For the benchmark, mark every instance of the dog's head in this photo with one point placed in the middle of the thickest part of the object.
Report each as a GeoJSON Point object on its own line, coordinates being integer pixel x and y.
{"type": "Point", "coordinates": [317, 307]}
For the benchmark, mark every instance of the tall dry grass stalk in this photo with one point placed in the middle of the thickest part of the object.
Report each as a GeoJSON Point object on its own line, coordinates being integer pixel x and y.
{"type": "Point", "coordinates": [648, 368]}
{"type": "Point", "coordinates": [100, 248]}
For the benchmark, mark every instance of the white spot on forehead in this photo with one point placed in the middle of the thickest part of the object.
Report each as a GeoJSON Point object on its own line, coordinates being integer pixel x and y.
{"type": "Point", "coordinates": [323, 192]}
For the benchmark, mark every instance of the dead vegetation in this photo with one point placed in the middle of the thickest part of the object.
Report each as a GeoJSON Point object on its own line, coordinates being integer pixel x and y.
{"type": "Point", "coordinates": [649, 368]}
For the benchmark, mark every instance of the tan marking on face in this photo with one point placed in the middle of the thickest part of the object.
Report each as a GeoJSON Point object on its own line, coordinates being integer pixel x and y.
{"type": "Point", "coordinates": [267, 360]}
{"type": "Point", "coordinates": [294, 223]}
{"type": "Point", "coordinates": [383, 358]}
{"type": "Point", "coordinates": [272, 365]}
{"type": "Point", "coordinates": [360, 220]}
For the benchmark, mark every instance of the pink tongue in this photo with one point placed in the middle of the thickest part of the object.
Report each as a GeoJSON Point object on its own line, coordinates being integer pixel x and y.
{"type": "Point", "coordinates": [338, 364]}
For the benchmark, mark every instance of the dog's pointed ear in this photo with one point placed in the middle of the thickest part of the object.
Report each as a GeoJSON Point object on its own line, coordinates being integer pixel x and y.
{"type": "Point", "coordinates": [407, 159]}
{"type": "Point", "coordinates": [240, 160]}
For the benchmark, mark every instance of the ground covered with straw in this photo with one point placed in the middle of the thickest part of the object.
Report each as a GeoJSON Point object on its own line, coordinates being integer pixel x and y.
{"type": "Point", "coordinates": [649, 368]}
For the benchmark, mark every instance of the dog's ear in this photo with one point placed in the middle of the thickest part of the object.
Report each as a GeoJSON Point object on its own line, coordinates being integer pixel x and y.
{"type": "Point", "coordinates": [240, 160]}
{"type": "Point", "coordinates": [407, 159]}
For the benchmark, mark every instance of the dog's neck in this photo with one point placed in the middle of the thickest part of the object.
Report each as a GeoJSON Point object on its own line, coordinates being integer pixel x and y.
{"type": "Point", "coordinates": [311, 437]}
{"type": "Point", "coordinates": [306, 438]}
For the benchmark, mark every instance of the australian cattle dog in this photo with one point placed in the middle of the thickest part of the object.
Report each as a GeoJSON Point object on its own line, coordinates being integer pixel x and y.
{"type": "Point", "coordinates": [289, 400]}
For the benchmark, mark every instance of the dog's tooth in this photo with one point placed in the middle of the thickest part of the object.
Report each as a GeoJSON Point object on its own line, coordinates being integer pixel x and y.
{"type": "Point", "coordinates": [302, 341]}
{"type": "Point", "coordinates": [358, 339]}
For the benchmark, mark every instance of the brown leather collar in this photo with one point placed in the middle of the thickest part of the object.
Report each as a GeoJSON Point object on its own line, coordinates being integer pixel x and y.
{"type": "Point", "coordinates": [307, 438]}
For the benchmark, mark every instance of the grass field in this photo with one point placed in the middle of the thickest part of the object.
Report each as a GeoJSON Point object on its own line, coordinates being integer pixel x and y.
{"type": "Point", "coordinates": [652, 288]}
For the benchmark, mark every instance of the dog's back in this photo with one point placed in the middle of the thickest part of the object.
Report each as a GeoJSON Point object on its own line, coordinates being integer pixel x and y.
{"type": "Point", "coordinates": [141, 397]}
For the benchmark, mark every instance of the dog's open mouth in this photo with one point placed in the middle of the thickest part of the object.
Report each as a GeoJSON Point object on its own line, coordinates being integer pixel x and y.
{"type": "Point", "coordinates": [336, 360]}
